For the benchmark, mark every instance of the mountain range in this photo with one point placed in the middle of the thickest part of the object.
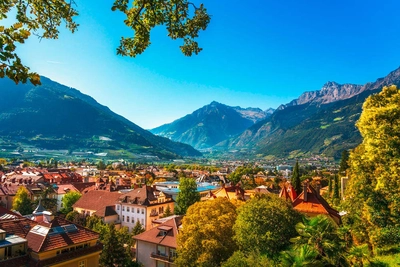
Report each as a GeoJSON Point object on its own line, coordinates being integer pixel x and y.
{"type": "Point", "coordinates": [317, 123]}
{"type": "Point", "coordinates": [320, 122]}
{"type": "Point", "coordinates": [211, 124]}
{"type": "Point", "coordinates": [54, 116]}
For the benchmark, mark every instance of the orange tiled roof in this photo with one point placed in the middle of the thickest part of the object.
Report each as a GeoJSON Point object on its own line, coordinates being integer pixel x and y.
{"type": "Point", "coordinates": [82, 186]}
{"type": "Point", "coordinates": [96, 200]}
{"type": "Point", "coordinates": [142, 196]}
{"type": "Point", "coordinates": [171, 227]}
{"type": "Point", "coordinates": [232, 192]}
{"type": "Point", "coordinates": [44, 237]}
{"type": "Point", "coordinates": [315, 204]}
{"type": "Point", "coordinates": [288, 193]}
{"type": "Point", "coordinates": [64, 188]}
{"type": "Point", "coordinates": [20, 226]}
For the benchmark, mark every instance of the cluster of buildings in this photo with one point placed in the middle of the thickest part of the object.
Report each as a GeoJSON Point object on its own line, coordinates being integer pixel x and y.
{"type": "Point", "coordinates": [42, 239]}
{"type": "Point", "coordinates": [157, 246]}
{"type": "Point", "coordinates": [118, 197]}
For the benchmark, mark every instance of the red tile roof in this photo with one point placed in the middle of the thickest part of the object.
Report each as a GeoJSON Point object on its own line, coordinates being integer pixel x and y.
{"type": "Point", "coordinates": [82, 186]}
{"type": "Point", "coordinates": [45, 237]}
{"type": "Point", "coordinates": [315, 204]}
{"type": "Point", "coordinates": [64, 188]}
{"type": "Point", "coordinates": [106, 211]}
{"type": "Point", "coordinates": [156, 236]}
{"type": "Point", "coordinates": [20, 226]}
{"type": "Point", "coordinates": [142, 196]}
{"type": "Point", "coordinates": [97, 200]}
{"type": "Point", "coordinates": [288, 193]}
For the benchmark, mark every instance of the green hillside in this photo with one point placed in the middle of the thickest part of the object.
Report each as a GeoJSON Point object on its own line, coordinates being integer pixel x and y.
{"type": "Point", "coordinates": [322, 124]}
{"type": "Point", "coordinates": [53, 116]}
{"type": "Point", "coordinates": [210, 124]}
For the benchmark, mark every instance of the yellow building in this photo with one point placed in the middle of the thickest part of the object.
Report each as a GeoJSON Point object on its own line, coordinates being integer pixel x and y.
{"type": "Point", "coordinates": [50, 241]}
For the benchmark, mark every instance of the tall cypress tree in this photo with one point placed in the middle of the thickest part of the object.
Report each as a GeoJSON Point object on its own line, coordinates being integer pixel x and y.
{"type": "Point", "coordinates": [114, 253]}
{"type": "Point", "coordinates": [296, 183]}
{"type": "Point", "coordinates": [344, 165]}
{"type": "Point", "coordinates": [336, 194]}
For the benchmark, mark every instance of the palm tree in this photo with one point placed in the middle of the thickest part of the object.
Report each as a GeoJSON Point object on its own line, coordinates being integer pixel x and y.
{"type": "Point", "coordinates": [359, 255]}
{"type": "Point", "coordinates": [320, 233]}
{"type": "Point", "coordinates": [304, 256]}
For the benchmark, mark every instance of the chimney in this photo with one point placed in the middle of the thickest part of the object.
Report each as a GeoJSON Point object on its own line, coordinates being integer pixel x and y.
{"type": "Point", "coordinates": [305, 191]}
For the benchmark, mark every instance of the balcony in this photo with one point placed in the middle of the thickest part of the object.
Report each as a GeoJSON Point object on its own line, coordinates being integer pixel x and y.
{"type": "Point", "coordinates": [153, 214]}
{"type": "Point", "coordinates": [162, 257]}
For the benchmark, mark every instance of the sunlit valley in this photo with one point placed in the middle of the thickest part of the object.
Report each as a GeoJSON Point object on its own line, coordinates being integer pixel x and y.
{"type": "Point", "coordinates": [172, 133]}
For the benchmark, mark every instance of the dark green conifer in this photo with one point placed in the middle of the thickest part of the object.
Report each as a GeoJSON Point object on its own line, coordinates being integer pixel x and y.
{"type": "Point", "coordinates": [296, 182]}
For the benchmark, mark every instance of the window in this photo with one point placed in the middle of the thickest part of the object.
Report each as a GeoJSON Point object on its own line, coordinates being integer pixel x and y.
{"type": "Point", "coordinates": [172, 253]}
{"type": "Point", "coordinates": [82, 263]}
{"type": "Point", "coordinates": [138, 210]}
{"type": "Point", "coordinates": [161, 210]}
{"type": "Point", "coordinates": [123, 218]}
{"type": "Point", "coordinates": [142, 221]}
{"type": "Point", "coordinates": [142, 211]}
{"type": "Point", "coordinates": [127, 218]}
{"type": "Point", "coordinates": [123, 208]}
{"type": "Point", "coordinates": [117, 207]}
{"type": "Point", "coordinates": [127, 209]}
{"type": "Point", "coordinates": [133, 210]}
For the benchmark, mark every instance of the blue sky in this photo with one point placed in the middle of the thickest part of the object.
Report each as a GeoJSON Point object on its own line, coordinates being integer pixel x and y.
{"type": "Point", "coordinates": [256, 54]}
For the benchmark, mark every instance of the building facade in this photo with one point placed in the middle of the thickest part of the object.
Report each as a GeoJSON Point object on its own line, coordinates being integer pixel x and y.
{"type": "Point", "coordinates": [143, 205]}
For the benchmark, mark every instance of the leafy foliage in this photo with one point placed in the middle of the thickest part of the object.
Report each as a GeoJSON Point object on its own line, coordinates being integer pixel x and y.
{"type": "Point", "coordinates": [187, 196]}
{"type": "Point", "coordinates": [114, 253]}
{"type": "Point", "coordinates": [265, 224]}
{"type": "Point", "coordinates": [206, 236]}
{"type": "Point", "coordinates": [242, 172]}
{"type": "Point", "coordinates": [68, 200]}
{"type": "Point", "coordinates": [373, 194]}
{"type": "Point", "coordinates": [167, 212]}
{"type": "Point", "coordinates": [320, 235]}
{"type": "Point", "coordinates": [183, 20]}
{"type": "Point", "coordinates": [248, 260]}
{"type": "Point", "coordinates": [137, 229]}
{"type": "Point", "coordinates": [76, 217]}
{"type": "Point", "coordinates": [41, 18]}
{"type": "Point", "coordinates": [48, 202]}
{"type": "Point", "coordinates": [22, 201]}
{"type": "Point", "coordinates": [175, 15]}
{"type": "Point", "coordinates": [304, 256]}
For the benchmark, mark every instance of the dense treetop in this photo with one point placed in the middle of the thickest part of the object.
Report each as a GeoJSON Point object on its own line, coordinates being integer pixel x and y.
{"type": "Point", "coordinates": [183, 20]}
